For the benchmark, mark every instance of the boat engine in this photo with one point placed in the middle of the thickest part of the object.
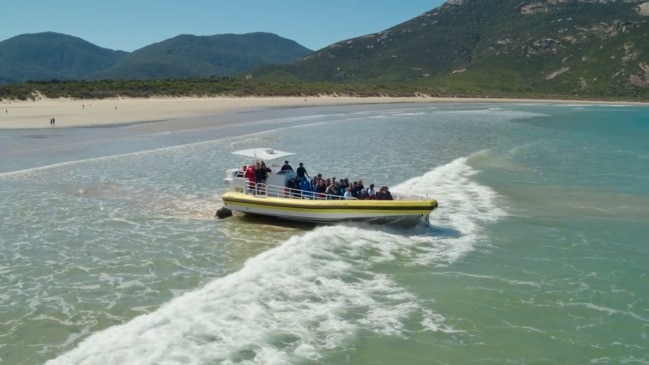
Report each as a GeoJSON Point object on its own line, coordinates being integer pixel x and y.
{"type": "Point", "coordinates": [223, 213]}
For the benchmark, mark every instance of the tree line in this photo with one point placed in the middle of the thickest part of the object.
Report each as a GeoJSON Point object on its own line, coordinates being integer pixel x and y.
{"type": "Point", "coordinates": [241, 87]}
{"type": "Point", "coordinates": [226, 86]}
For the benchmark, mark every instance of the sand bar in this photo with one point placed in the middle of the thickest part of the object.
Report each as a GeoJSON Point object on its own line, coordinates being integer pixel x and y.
{"type": "Point", "coordinates": [77, 113]}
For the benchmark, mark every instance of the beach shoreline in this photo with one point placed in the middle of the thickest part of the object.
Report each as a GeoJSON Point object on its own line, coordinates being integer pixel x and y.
{"type": "Point", "coordinates": [68, 113]}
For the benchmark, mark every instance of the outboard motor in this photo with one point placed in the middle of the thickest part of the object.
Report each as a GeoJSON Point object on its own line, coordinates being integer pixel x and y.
{"type": "Point", "coordinates": [223, 213]}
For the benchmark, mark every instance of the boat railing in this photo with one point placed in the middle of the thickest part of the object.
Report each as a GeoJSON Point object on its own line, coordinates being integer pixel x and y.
{"type": "Point", "coordinates": [276, 191]}
{"type": "Point", "coordinates": [286, 192]}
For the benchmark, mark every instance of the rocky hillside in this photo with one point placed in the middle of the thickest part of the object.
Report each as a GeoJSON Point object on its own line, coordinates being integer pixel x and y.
{"type": "Point", "coordinates": [565, 47]}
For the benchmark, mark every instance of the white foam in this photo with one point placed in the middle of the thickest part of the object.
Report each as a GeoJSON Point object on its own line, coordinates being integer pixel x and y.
{"type": "Point", "coordinates": [464, 205]}
{"type": "Point", "coordinates": [311, 293]}
{"type": "Point", "coordinates": [274, 309]}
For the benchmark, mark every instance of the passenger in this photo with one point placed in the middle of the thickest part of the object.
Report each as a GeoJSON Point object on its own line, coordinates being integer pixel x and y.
{"type": "Point", "coordinates": [384, 194]}
{"type": "Point", "coordinates": [320, 189]}
{"type": "Point", "coordinates": [388, 196]}
{"type": "Point", "coordinates": [268, 169]}
{"type": "Point", "coordinates": [250, 176]}
{"type": "Point", "coordinates": [348, 193]}
{"type": "Point", "coordinates": [356, 190]}
{"type": "Point", "coordinates": [301, 172]}
{"type": "Point", "coordinates": [371, 194]}
{"type": "Point", "coordinates": [305, 189]}
{"type": "Point", "coordinates": [261, 173]}
{"type": "Point", "coordinates": [305, 185]}
{"type": "Point", "coordinates": [331, 191]}
{"type": "Point", "coordinates": [364, 194]}
{"type": "Point", "coordinates": [294, 185]}
{"type": "Point", "coordinates": [359, 188]}
{"type": "Point", "coordinates": [381, 194]}
{"type": "Point", "coordinates": [314, 181]}
{"type": "Point", "coordinates": [286, 167]}
{"type": "Point", "coordinates": [343, 184]}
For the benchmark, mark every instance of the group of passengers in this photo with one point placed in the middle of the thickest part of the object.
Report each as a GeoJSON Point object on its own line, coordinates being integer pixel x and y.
{"type": "Point", "coordinates": [330, 188]}
{"type": "Point", "coordinates": [256, 175]}
{"type": "Point", "coordinates": [322, 188]}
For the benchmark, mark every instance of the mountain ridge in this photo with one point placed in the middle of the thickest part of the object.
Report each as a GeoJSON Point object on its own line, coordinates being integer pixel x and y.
{"type": "Point", "coordinates": [49, 55]}
{"type": "Point", "coordinates": [45, 55]}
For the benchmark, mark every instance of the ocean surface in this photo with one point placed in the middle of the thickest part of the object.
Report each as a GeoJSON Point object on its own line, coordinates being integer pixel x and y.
{"type": "Point", "coordinates": [538, 253]}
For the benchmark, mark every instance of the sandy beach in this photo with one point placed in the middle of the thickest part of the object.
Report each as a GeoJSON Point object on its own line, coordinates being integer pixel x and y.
{"type": "Point", "coordinates": [78, 113]}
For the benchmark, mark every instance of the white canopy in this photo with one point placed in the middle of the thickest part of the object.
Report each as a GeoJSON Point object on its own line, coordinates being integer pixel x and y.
{"type": "Point", "coordinates": [266, 154]}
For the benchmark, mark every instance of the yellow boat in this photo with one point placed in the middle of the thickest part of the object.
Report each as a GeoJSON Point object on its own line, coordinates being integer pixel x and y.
{"type": "Point", "coordinates": [275, 199]}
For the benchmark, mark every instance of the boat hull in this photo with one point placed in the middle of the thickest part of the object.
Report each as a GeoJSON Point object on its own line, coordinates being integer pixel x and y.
{"type": "Point", "coordinates": [402, 212]}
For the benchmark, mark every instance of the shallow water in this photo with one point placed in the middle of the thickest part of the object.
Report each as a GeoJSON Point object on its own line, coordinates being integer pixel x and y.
{"type": "Point", "coordinates": [537, 254]}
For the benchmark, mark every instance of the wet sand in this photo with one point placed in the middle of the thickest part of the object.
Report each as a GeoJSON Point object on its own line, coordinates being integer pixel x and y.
{"type": "Point", "coordinates": [116, 111]}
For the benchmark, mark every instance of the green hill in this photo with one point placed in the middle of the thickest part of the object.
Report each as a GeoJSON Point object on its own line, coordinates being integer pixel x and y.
{"type": "Point", "coordinates": [46, 56]}
{"type": "Point", "coordinates": [204, 56]}
{"type": "Point", "coordinates": [496, 47]}
{"type": "Point", "coordinates": [54, 56]}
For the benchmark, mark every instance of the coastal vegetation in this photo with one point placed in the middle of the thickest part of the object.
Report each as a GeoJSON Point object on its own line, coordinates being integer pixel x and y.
{"type": "Point", "coordinates": [204, 87]}
{"type": "Point", "coordinates": [241, 87]}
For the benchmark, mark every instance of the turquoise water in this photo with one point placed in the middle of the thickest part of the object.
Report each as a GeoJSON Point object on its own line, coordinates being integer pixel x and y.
{"type": "Point", "coordinates": [110, 252]}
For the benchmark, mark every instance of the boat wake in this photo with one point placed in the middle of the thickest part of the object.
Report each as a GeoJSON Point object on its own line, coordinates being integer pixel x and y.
{"type": "Point", "coordinates": [315, 292]}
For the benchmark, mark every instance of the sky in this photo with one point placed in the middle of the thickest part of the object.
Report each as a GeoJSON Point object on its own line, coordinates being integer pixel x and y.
{"type": "Point", "coordinates": [128, 25]}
